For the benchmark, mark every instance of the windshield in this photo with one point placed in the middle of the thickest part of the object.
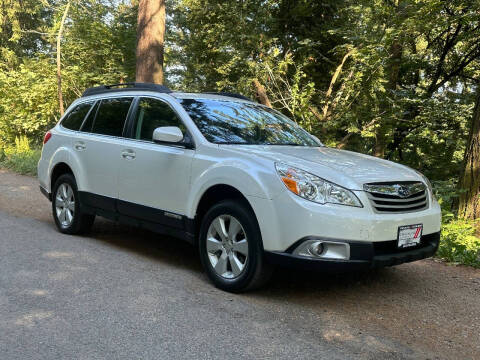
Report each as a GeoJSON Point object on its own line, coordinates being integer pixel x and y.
{"type": "Point", "coordinates": [228, 122]}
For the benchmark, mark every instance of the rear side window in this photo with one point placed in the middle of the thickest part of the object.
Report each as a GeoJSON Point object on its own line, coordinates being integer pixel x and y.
{"type": "Point", "coordinates": [152, 114]}
{"type": "Point", "coordinates": [111, 116]}
{"type": "Point", "coordinates": [74, 118]}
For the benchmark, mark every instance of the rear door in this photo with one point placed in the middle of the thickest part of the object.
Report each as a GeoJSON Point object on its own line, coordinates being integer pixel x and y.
{"type": "Point", "coordinates": [154, 179]}
{"type": "Point", "coordinates": [98, 147]}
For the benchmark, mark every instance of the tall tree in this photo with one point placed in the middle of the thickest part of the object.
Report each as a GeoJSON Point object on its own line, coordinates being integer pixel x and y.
{"type": "Point", "coordinates": [469, 206]}
{"type": "Point", "coordinates": [150, 41]}
{"type": "Point", "coordinates": [59, 53]}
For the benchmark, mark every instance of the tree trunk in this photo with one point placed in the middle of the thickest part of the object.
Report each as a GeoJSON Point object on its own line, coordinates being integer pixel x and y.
{"type": "Point", "coordinates": [262, 96]}
{"type": "Point", "coordinates": [469, 202]}
{"type": "Point", "coordinates": [59, 65]}
{"type": "Point", "coordinates": [150, 41]}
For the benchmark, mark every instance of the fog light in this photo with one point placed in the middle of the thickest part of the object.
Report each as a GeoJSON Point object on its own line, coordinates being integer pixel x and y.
{"type": "Point", "coordinates": [316, 248]}
{"type": "Point", "coordinates": [323, 249]}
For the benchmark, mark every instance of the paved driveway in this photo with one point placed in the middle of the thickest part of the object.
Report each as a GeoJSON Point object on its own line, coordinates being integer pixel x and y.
{"type": "Point", "coordinates": [123, 293]}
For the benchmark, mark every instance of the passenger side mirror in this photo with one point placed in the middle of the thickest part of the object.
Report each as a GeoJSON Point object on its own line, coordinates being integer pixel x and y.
{"type": "Point", "coordinates": [167, 134]}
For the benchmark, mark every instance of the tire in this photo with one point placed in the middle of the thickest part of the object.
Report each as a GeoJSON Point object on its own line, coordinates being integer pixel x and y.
{"type": "Point", "coordinates": [72, 220]}
{"type": "Point", "coordinates": [245, 267]}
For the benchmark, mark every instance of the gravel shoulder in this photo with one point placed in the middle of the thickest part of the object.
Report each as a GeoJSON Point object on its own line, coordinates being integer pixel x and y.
{"type": "Point", "coordinates": [121, 292]}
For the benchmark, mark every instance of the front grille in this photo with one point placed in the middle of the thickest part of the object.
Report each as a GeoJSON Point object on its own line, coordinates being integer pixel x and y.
{"type": "Point", "coordinates": [398, 197]}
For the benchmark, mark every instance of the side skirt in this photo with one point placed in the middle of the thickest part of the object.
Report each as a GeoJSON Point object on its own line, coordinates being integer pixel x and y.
{"type": "Point", "coordinates": [159, 221]}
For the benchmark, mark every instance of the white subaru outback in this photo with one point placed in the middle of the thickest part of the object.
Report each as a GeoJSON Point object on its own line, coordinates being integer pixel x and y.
{"type": "Point", "coordinates": [239, 180]}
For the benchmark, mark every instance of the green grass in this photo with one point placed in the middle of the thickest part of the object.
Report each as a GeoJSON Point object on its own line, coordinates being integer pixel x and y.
{"type": "Point", "coordinates": [22, 163]}
{"type": "Point", "coordinates": [20, 157]}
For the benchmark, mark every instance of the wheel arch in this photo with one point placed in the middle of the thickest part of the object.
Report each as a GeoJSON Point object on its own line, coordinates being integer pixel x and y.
{"type": "Point", "coordinates": [66, 160]}
{"type": "Point", "coordinates": [58, 170]}
{"type": "Point", "coordinates": [213, 195]}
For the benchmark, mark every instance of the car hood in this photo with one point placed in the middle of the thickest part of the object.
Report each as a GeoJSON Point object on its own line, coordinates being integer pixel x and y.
{"type": "Point", "coordinates": [346, 168]}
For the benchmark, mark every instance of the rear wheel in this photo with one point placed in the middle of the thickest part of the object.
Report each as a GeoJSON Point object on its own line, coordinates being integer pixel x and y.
{"type": "Point", "coordinates": [66, 207]}
{"type": "Point", "coordinates": [231, 248]}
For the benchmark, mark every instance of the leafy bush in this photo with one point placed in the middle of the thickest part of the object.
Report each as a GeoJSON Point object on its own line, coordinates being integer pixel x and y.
{"type": "Point", "coordinates": [20, 157]}
{"type": "Point", "coordinates": [458, 243]}
{"type": "Point", "coordinates": [29, 104]}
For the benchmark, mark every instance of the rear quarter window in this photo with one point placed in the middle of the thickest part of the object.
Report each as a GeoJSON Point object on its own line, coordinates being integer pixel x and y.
{"type": "Point", "coordinates": [74, 118]}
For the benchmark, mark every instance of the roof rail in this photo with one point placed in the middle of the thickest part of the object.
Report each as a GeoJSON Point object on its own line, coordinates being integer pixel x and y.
{"type": "Point", "coordinates": [125, 87]}
{"type": "Point", "coordinates": [229, 94]}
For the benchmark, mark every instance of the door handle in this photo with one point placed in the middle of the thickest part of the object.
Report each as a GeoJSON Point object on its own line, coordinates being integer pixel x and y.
{"type": "Point", "coordinates": [80, 146]}
{"type": "Point", "coordinates": [128, 154]}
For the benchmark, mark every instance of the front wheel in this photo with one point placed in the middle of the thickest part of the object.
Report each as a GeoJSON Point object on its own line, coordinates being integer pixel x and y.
{"type": "Point", "coordinates": [231, 248]}
{"type": "Point", "coordinates": [66, 207]}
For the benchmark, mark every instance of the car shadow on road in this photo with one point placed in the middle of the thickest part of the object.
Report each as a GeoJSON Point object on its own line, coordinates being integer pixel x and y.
{"type": "Point", "coordinates": [290, 281]}
{"type": "Point", "coordinates": [168, 250]}
{"type": "Point", "coordinates": [178, 253]}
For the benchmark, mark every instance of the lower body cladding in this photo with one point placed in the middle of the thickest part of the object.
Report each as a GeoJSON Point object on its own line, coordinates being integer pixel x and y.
{"type": "Point", "coordinates": [342, 256]}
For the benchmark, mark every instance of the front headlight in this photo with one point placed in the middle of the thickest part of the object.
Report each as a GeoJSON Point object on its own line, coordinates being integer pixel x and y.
{"type": "Point", "coordinates": [314, 188]}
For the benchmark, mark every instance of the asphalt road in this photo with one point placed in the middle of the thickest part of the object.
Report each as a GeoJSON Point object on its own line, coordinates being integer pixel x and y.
{"type": "Point", "coordinates": [123, 293]}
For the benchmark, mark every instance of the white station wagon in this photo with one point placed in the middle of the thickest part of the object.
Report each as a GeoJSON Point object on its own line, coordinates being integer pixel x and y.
{"type": "Point", "coordinates": [246, 185]}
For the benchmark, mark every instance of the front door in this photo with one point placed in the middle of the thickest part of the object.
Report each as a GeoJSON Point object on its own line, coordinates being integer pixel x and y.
{"type": "Point", "coordinates": [154, 179]}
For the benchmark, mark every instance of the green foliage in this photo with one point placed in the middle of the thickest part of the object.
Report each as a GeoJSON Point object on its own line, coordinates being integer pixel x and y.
{"type": "Point", "coordinates": [98, 47]}
{"type": "Point", "coordinates": [29, 100]}
{"type": "Point", "coordinates": [20, 157]}
{"type": "Point", "coordinates": [346, 70]}
{"type": "Point", "coordinates": [459, 242]}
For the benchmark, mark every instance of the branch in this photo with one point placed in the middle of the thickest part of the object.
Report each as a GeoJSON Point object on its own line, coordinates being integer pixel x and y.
{"type": "Point", "coordinates": [344, 140]}
{"type": "Point", "coordinates": [463, 64]}
{"type": "Point", "coordinates": [333, 80]}
{"type": "Point", "coordinates": [34, 32]}
{"type": "Point", "coordinates": [449, 42]}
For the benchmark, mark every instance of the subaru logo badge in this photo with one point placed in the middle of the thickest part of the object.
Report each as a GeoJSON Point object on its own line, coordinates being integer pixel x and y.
{"type": "Point", "coordinates": [403, 191]}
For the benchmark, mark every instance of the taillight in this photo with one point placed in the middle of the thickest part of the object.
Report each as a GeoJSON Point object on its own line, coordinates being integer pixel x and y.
{"type": "Point", "coordinates": [47, 137]}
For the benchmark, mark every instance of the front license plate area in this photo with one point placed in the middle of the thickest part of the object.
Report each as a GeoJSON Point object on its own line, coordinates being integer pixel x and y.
{"type": "Point", "coordinates": [409, 235]}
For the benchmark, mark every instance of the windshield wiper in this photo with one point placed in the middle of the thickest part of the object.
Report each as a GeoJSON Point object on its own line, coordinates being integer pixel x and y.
{"type": "Point", "coordinates": [285, 144]}
{"type": "Point", "coordinates": [262, 144]}
{"type": "Point", "coordinates": [233, 143]}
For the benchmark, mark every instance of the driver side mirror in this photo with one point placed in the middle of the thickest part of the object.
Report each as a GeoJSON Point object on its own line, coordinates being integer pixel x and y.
{"type": "Point", "coordinates": [167, 134]}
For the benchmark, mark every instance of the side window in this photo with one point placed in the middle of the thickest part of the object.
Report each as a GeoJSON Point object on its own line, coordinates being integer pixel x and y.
{"type": "Point", "coordinates": [152, 114]}
{"type": "Point", "coordinates": [111, 116]}
{"type": "Point", "coordinates": [74, 118]}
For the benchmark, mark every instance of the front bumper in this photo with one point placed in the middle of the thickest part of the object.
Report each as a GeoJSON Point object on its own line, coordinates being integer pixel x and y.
{"type": "Point", "coordinates": [289, 217]}
{"type": "Point", "coordinates": [363, 255]}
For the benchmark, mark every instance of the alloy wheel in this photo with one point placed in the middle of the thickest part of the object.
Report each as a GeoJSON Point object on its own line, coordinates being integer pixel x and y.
{"type": "Point", "coordinates": [227, 246]}
{"type": "Point", "coordinates": [65, 205]}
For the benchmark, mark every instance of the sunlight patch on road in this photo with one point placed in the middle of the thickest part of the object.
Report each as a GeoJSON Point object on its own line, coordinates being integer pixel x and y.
{"type": "Point", "coordinates": [38, 292]}
{"type": "Point", "coordinates": [345, 336]}
{"type": "Point", "coordinates": [342, 335]}
{"type": "Point", "coordinates": [30, 320]}
{"type": "Point", "coordinates": [60, 276]}
{"type": "Point", "coordinates": [58, 254]}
